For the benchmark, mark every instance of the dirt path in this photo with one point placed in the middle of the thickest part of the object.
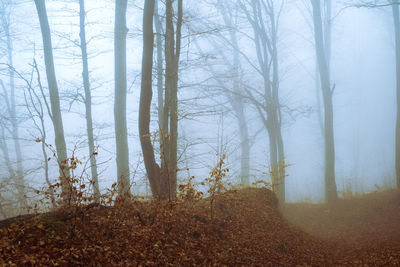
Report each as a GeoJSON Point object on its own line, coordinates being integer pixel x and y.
{"type": "Point", "coordinates": [359, 231]}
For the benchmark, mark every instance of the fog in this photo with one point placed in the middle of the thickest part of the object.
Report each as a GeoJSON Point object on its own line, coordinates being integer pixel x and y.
{"type": "Point", "coordinates": [362, 73]}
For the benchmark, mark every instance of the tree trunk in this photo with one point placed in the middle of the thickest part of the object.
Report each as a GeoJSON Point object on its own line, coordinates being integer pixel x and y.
{"type": "Point", "coordinates": [280, 156]}
{"type": "Point", "coordinates": [169, 88]}
{"type": "Point", "coordinates": [157, 182]}
{"type": "Point", "coordinates": [160, 88]}
{"type": "Point", "coordinates": [54, 99]}
{"type": "Point", "coordinates": [244, 144]}
{"type": "Point", "coordinates": [236, 99]}
{"type": "Point", "coordinates": [396, 22]}
{"type": "Point", "coordinates": [172, 53]}
{"type": "Point", "coordinates": [88, 101]}
{"type": "Point", "coordinates": [330, 183]}
{"type": "Point", "coordinates": [6, 155]}
{"type": "Point", "coordinates": [121, 136]}
{"type": "Point", "coordinates": [267, 52]}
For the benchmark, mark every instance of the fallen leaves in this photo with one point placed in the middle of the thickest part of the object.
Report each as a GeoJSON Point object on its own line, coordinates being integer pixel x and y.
{"type": "Point", "coordinates": [246, 229]}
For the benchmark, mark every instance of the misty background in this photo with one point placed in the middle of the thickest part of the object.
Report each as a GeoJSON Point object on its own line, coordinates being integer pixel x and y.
{"type": "Point", "coordinates": [363, 74]}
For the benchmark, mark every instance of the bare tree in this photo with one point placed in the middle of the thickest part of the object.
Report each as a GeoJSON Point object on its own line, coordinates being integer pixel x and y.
{"type": "Point", "coordinates": [169, 132]}
{"type": "Point", "coordinates": [394, 4]}
{"type": "Point", "coordinates": [35, 103]}
{"type": "Point", "coordinates": [330, 183]}
{"type": "Point", "coordinates": [235, 96]}
{"type": "Point", "coordinates": [56, 117]}
{"type": "Point", "coordinates": [10, 100]}
{"type": "Point", "coordinates": [157, 182]}
{"type": "Point", "coordinates": [88, 100]}
{"type": "Point", "coordinates": [159, 47]}
{"type": "Point", "coordinates": [121, 136]}
{"type": "Point", "coordinates": [263, 16]}
{"type": "Point", "coordinates": [396, 23]}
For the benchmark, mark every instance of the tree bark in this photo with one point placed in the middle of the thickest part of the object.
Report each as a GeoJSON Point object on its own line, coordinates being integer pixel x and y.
{"type": "Point", "coordinates": [330, 183]}
{"type": "Point", "coordinates": [160, 87]}
{"type": "Point", "coordinates": [88, 101]}
{"type": "Point", "coordinates": [157, 183]}
{"type": "Point", "coordinates": [172, 53]}
{"type": "Point", "coordinates": [396, 22]}
{"type": "Point", "coordinates": [61, 147]}
{"type": "Point", "coordinates": [120, 32]}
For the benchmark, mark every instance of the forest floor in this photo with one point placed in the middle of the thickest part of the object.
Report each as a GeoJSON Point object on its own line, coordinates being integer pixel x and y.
{"type": "Point", "coordinates": [363, 230]}
{"type": "Point", "coordinates": [237, 228]}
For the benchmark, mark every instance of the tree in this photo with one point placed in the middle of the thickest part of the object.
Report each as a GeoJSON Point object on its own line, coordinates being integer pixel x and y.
{"type": "Point", "coordinates": [34, 106]}
{"type": "Point", "coordinates": [169, 132]}
{"type": "Point", "coordinates": [159, 46]}
{"type": "Point", "coordinates": [327, 92]}
{"type": "Point", "coordinates": [396, 23]}
{"type": "Point", "coordinates": [235, 96]}
{"type": "Point", "coordinates": [10, 100]}
{"type": "Point", "coordinates": [327, 30]}
{"type": "Point", "coordinates": [56, 117]}
{"type": "Point", "coordinates": [162, 180]}
{"type": "Point", "coordinates": [157, 182]}
{"type": "Point", "coordinates": [88, 100]}
{"type": "Point", "coordinates": [121, 136]}
{"type": "Point", "coordinates": [264, 21]}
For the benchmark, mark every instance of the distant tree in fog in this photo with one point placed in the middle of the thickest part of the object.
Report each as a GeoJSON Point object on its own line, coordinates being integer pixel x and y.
{"type": "Point", "coordinates": [396, 23]}
{"type": "Point", "coordinates": [236, 95]}
{"type": "Point", "coordinates": [9, 98]}
{"type": "Point", "coordinates": [121, 136]}
{"type": "Point", "coordinates": [394, 4]}
{"type": "Point", "coordinates": [327, 91]}
{"type": "Point", "coordinates": [263, 16]}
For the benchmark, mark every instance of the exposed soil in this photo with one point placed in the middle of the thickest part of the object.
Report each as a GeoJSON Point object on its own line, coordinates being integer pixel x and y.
{"type": "Point", "coordinates": [245, 228]}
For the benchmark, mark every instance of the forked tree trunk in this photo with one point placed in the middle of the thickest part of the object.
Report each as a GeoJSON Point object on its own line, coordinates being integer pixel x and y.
{"type": "Point", "coordinates": [170, 138]}
{"type": "Point", "coordinates": [263, 13]}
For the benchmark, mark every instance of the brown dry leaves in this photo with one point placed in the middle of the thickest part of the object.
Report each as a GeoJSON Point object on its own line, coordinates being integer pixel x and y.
{"type": "Point", "coordinates": [246, 229]}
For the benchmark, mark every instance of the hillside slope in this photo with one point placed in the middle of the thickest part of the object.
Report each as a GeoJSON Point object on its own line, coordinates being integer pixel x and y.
{"type": "Point", "coordinates": [243, 227]}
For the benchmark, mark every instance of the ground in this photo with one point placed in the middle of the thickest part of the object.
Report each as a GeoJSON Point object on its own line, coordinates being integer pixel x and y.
{"type": "Point", "coordinates": [237, 228]}
{"type": "Point", "coordinates": [363, 230]}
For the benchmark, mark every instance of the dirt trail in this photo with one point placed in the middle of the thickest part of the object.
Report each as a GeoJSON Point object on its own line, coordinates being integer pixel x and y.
{"type": "Point", "coordinates": [360, 231]}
